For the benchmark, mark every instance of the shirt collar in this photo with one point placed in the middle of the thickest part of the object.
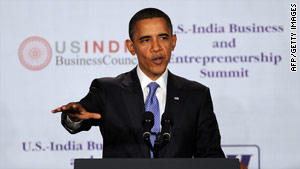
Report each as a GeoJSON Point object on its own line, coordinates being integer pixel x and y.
{"type": "Point", "coordinates": [145, 80]}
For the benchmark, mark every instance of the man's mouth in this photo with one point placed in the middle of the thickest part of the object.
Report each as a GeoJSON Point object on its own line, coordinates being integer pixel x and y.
{"type": "Point", "coordinates": [158, 60]}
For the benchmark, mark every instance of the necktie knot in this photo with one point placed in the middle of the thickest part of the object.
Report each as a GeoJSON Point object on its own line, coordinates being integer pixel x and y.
{"type": "Point", "coordinates": [152, 86]}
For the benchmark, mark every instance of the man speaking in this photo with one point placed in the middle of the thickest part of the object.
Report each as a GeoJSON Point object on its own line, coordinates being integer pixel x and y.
{"type": "Point", "coordinates": [117, 105]}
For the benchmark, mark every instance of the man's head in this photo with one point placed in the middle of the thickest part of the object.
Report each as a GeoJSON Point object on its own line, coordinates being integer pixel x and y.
{"type": "Point", "coordinates": [147, 13]}
{"type": "Point", "coordinates": [152, 40]}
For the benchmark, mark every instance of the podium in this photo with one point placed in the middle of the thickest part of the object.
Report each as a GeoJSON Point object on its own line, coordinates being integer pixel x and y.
{"type": "Point", "coordinates": [159, 163]}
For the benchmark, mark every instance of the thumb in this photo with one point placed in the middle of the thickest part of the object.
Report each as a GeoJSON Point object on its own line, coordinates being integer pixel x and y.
{"type": "Point", "coordinates": [94, 115]}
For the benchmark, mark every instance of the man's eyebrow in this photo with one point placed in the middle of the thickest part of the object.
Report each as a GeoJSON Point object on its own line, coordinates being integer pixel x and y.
{"type": "Point", "coordinates": [164, 34]}
{"type": "Point", "coordinates": [147, 37]}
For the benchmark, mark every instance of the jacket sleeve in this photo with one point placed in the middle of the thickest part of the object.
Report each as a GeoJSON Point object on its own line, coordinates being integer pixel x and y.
{"type": "Point", "coordinates": [92, 102]}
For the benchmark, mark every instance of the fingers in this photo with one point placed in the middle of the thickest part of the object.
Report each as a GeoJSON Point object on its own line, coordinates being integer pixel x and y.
{"type": "Point", "coordinates": [85, 116]}
{"type": "Point", "coordinates": [95, 115]}
{"type": "Point", "coordinates": [56, 110]}
{"type": "Point", "coordinates": [77, 107]}
{"type": "Point", "coordinates": [69, 108]}
{"type": "Point", "coordinates": [76, 111]}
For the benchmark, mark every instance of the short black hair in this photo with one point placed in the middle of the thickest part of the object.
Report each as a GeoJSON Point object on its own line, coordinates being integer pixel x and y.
{"type": "Point", "coordinates": [148, 13]}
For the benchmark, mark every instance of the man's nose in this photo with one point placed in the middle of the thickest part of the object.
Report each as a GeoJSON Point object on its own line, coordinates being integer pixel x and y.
{"type": "Point", "coordinates": [156, 46]}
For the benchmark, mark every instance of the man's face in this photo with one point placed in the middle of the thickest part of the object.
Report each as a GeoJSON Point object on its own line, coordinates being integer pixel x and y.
{"type": "Point", "coordinates": [153, 43]}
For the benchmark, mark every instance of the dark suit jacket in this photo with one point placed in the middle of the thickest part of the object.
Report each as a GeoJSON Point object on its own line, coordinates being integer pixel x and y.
{"type": "Point", "coordinates": [119, 100]}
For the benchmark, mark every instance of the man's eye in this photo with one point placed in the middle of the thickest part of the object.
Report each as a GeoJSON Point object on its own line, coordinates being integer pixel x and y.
{"type": "Point", "coordinates": [145, 40]}
{"type": "Point", "coordinates": [164, 37]}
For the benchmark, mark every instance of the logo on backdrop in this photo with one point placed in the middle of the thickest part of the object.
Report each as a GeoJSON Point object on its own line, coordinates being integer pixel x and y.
{"type": "Point", "coordinates": [35, 53]}
{"type": "Point", "coordinates": [249, 155]}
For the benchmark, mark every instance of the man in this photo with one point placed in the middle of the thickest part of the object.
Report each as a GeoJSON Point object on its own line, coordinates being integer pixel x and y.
{"type": "Point", "coordinates": [117, 104]}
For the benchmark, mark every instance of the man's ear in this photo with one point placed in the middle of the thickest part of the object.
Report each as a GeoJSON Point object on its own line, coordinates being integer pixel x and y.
{"type": "Point", "coordinates": [129, 45]}
{"type": "Point", "coordinates": [174, 39]}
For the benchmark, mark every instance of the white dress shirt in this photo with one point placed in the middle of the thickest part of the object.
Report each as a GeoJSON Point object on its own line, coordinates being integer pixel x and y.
{"type": "Point", "coordinates": [161, 92]}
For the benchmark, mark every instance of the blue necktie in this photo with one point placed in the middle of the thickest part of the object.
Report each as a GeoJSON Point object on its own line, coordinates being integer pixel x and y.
{"type": "Point", "coordinates": [152, 105]}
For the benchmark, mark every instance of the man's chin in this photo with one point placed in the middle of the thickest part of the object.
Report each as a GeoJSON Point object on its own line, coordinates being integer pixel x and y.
{"type": "Point", "coordinates": [158, 72]}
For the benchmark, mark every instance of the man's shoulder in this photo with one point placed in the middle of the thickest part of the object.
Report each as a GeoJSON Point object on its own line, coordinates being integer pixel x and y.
{"type": "Point", "coordinates": [109, 80]}
{"type": "Point", "coordinates": [112, 81]}
{"type": "Point", "coordinates": [186, 84]}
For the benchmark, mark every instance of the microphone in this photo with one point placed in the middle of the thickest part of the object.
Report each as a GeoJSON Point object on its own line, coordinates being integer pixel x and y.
{"type": "Point", "coordinates": [166, 124]}
{"type": "Point", "coordinates": [148, 122]}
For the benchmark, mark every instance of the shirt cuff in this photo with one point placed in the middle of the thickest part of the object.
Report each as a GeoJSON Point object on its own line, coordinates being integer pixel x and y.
{"type": "Point", "coordinates": [72, 124]}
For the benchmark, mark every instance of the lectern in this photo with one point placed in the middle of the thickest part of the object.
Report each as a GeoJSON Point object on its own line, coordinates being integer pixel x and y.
{"type": "Point", "coordinates": [159, 163]}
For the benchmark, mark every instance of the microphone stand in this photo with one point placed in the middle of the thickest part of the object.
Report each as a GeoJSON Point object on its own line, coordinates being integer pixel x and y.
{"type": "Point", "coordinates": [164, 135]}
{"type": "Point", "coordinates": [157, 146]}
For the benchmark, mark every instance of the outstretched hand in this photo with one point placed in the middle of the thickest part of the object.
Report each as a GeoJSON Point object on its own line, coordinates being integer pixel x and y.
{"type": "Point", "coordinates": [76, 112]}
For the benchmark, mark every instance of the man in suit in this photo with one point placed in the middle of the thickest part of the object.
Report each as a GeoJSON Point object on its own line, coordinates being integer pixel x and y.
{"type": "Point", "coordinates": [117, 104]}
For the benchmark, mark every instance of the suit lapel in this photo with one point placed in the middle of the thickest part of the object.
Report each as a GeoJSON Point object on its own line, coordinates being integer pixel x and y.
{"type": "Point", "coordinates": [133, 99]}
{"type": "Point", "coordinates": [174, 104]}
